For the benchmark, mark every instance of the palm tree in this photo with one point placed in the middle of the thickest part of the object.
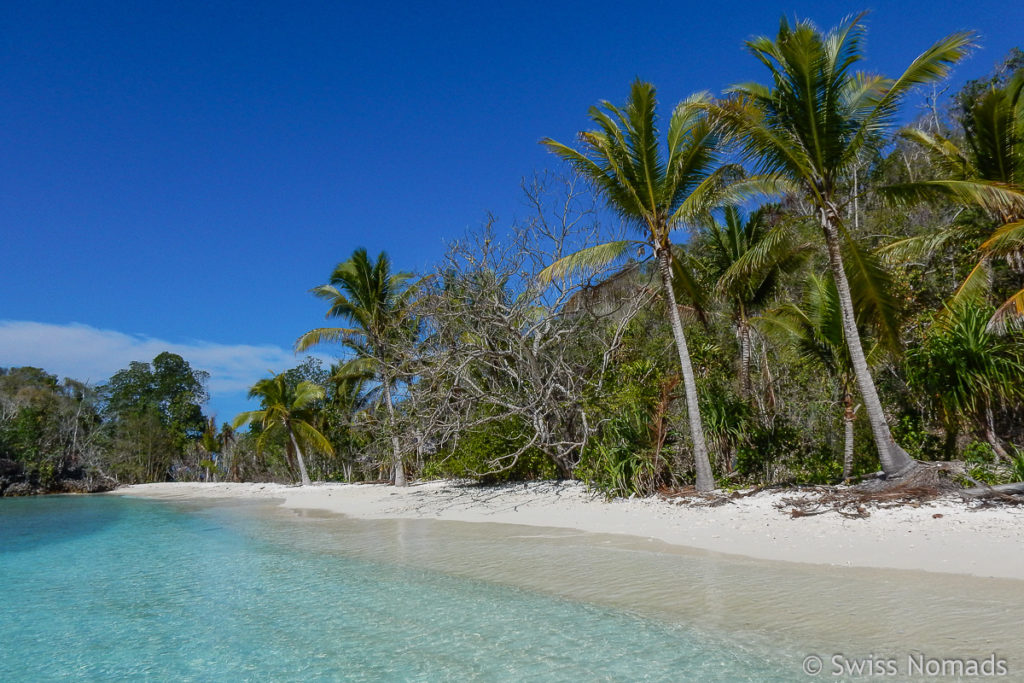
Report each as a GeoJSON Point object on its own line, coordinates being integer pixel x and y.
{"type": "Point", "coordinates": [376, 302]}
{"type": "Point", "coordinates": [815, 329]}
{"type": "Point", "coordinates": [211, 447]}
{"type": "Point", "coordinates": [286, 409]}
{"type": "Point", "coordinates": [226, 441]}
{"type": "Point", "coordinates": [656, 192]}
{"type": "Point", "coordinates": [963, 369]}
{"type": "Point", "coordinates": [987, 171]}
{"type": "Point", "coordinates": [347, 399]}
{"type": "Point", "coordinates": [747, 256]}
{"type": "Point", "coordinates": [811, 125]}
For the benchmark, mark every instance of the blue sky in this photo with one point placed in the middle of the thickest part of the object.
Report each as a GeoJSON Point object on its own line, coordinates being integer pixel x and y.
{"type": "Point", "coordinates": [178, 175]}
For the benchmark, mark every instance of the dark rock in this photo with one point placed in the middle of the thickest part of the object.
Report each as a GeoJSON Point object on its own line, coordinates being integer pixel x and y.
{"type": "Point", "coordinates": [14, 482]}
{"type": "Point", "coordinates": [20, 488]}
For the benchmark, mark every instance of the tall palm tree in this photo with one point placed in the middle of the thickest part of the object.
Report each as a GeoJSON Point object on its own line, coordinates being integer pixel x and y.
{"type": "Point", "coordinates": [747, 256]}
{"type": "Point", "coordinates": [375, 302]}
{"type": "Point", "coordinates": [811, 124]}
{"type": "Point", "coordinates": [987, 171]}
{"type": "Point", "coordinates": [656, 192]}
{"type": "Point", "coordinates": [288, 410]}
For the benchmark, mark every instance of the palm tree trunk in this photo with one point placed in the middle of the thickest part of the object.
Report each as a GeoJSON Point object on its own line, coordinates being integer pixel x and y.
{"type": "Point", "coordinates": [990, 434]}
{"type": "Point", "coordinates": [895, 461]}
{"type": "Point", "coordinates": [705, 479]}
{"type": "Point", "coordinates": [949, 447]}
{"type": "Point", "coordinates": [848, 415]}
{"type": "Point", "coordinates": [744, 334]}
{"type": "Point", "coordinates": [396, 450]}
{"type": "Point", "coordinates": [298, 456]}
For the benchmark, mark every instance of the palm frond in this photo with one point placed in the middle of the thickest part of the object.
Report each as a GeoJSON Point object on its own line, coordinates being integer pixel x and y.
{"type": "Point", "coordinates": [591, 258]}
{"type": "Point", "coordinates": [945, 155]}
{"type": "Point", "coordinates": [245, 418]}
{"type": "Point", "coordinates": [931, 65]}
{"type": "Point", "coordinates": [974, 287]}
{"type": "Point", "coordinates": [687, 285]}
{"type": "Point", "coordinates": [871, 287]}
{"type": "Point", "coordinates": [1007, 239]}
{"type": "Point", "coordinates": [359, 368]}
{"type": "Point", "coordinates": [769, 149]}
{"type": "Point", "coordinates": [768, 252]}
{"type": "Point", "coordinates": [989, 196]}
{"type": "Point", "coordinates": [918, 247]}
{"type": "Point", "coordinates": [326, 335]}
{"type": "Point", "coordinates": [311, 436]}
{"type": "Point", "coordinates": [1009, 315]}
{"type": "Point", "coordinates": [306, 392]}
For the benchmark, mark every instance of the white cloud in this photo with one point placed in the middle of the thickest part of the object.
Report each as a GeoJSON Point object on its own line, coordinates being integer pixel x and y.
{"type": "Point", "coordinates": [93, 355]}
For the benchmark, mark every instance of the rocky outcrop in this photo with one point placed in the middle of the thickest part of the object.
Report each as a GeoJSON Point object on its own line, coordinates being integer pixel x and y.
{"type": "Point", "coordinates": [14, 481]}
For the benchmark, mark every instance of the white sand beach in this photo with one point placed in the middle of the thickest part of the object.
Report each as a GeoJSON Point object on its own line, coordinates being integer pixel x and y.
{"type": "Point", "coordinates": [947, 535]}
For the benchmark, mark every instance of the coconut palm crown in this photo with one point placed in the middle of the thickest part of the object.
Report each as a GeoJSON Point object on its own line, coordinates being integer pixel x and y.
{"type": "Point", "coordinates": [747, 256]}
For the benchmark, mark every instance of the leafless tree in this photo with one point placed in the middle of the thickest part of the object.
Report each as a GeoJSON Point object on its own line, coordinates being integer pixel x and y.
{"type": "Point", "coordinates": [498, 346]}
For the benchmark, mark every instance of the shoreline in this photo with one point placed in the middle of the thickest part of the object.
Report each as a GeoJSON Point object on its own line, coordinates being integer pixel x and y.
{"type": "Point", "coordinates": [945, 536]}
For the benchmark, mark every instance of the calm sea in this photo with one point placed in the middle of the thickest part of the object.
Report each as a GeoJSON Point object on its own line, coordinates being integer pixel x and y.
{"type": "Point", "coordinates": [109, 588]}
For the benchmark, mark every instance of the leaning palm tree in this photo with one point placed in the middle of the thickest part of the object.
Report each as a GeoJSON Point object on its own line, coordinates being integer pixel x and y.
{"type": "Point", "coordinates": [987, 171]}
{"type": "Point", "coordinates": [286, 409]}
{"type": "Point", "coordinates": [656, 192]}
{"type": "Point", "coordinates": [812, 124]}
{"type": "Point", "coordinates": [375, 302]}
{"type": "Point", "coordinates": [747, 257]}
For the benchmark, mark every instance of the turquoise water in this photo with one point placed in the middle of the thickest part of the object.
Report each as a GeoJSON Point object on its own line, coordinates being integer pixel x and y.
{"type": "Point", "coordinates": [103, 588]}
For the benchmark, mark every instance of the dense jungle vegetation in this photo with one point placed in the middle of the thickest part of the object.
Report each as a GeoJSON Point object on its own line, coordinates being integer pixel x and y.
{"type": "Point", "coordinates": [776, 285]}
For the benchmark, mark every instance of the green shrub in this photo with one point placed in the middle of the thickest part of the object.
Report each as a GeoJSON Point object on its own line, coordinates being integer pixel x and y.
{"type": "Point", "coordinates": [776, 452]}
{"type": "Point", "coordinates": [482, 454]}
{"type": "Point", "coordinates": [619, 462]}
{"type": "Point", "coordinates": [920, 444]}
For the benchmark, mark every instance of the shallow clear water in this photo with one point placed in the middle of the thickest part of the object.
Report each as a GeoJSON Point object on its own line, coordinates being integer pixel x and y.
{"type": "Point", "coordinates": [98, 588]}
{"type": "Point", "coordinates": [106, 588]}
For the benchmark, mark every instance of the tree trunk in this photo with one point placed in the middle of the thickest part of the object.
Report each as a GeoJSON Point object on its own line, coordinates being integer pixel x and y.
{"type": "Point", "coordinates": [990, 434]}
{"type": "Point", "coordinates": [396, 455]}
{"type": "Point", "coordinates": [949, 446]}
{"type": "Point", "coordinates": [705, 479]}
{"type": "Point", "coordinates": [298, 457]}
{"type": "Point", "coordinates": [744, 335]}
{"type": "Point", "coordinates": [848, 416]}
{"type": "Point", "coordinates": [895, 461]}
